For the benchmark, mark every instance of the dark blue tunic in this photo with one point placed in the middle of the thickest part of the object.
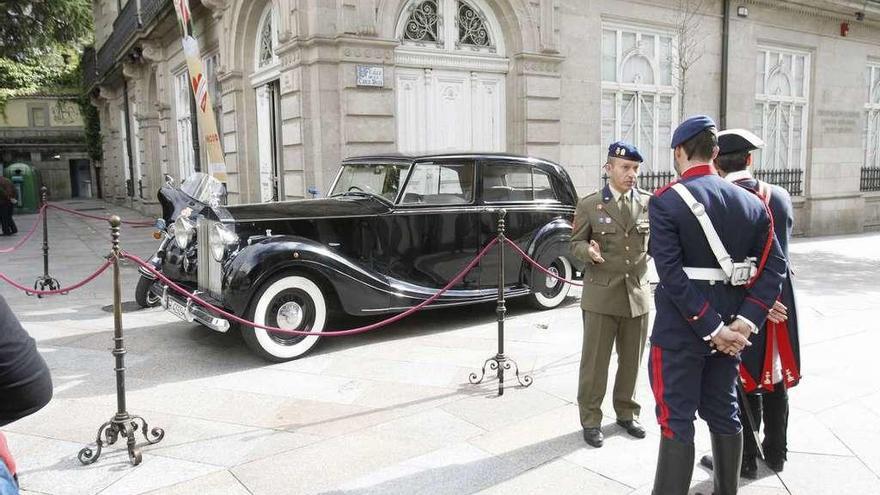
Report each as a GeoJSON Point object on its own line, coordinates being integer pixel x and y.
{"type": "Point", "coordinates": [685, 375]}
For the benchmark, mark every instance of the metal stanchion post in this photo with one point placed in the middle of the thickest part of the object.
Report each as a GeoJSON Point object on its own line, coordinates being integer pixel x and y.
{"type": "Point", "coordinates": [122, 423]}
{"type": "Point", "coordinates": [45, 282]}
{"type": "Point", "coordinates": [500, 361]}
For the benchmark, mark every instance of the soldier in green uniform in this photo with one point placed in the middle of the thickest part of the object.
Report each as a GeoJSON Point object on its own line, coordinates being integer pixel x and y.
{"type": "Point", "coordinates": [611, 237]}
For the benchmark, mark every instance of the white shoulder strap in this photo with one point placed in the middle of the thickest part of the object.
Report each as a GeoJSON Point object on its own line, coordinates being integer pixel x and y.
{"type": "Point", "coordinates": [699, 212]}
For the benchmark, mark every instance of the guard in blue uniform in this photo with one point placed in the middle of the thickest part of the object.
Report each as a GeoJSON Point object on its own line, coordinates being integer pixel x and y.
{"type": "Point", "coordinates": [772, 364]}
{"type": "Point", "coordinates": [720, 269]}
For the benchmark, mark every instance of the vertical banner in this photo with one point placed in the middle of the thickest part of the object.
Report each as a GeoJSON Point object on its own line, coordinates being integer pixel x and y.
{"type": "Point", "coordinates": [199, 84]}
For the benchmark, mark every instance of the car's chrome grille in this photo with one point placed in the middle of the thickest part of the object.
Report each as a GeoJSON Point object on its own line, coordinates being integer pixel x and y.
{"type": "Point", "coordinates": [209, 268]}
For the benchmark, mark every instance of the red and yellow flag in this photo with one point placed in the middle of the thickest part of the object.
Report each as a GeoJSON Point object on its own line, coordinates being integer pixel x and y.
{"type": "Point", "coordinates": [198, 82]}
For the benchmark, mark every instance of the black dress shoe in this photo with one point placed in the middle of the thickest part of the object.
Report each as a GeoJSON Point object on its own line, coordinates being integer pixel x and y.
{"type": "Point", "coordinates": [749, 468]}
{"type": "Point", "coordinates": [632, 427]}
{"type": "Point", "coordinates": [594, 437]}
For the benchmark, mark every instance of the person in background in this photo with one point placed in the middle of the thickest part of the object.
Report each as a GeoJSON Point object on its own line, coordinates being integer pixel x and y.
{"type": "Point", "coordinates": [8, 200]}
{"type": "Point", "coordinates": [772, 364]}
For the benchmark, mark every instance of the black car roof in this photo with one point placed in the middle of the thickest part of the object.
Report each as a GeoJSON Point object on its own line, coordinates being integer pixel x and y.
{"type": "Point", "coordinates": [465, 155]}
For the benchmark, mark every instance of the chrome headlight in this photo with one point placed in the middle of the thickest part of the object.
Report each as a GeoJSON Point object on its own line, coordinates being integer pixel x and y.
{"type": "Point", "coordinates": [184, 230]}
{"type": "Point", "coordinates": [222, 238]}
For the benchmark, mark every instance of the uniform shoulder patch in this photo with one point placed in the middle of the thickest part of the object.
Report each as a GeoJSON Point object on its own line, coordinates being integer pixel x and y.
{"type": "Point", "coordinates": [665, 188]}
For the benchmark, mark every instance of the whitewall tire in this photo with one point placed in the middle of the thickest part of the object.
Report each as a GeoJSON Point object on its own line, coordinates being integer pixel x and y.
{"type": "Point", "coordinates": [549, 292]}
{"type": "Point", "coordinates": [291, 302]}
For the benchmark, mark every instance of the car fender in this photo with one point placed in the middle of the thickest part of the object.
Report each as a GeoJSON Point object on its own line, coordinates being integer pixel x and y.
{"type": "Point", "coordinates": [253, 265]}
{"type": "Point", "coordinates": [550, 241]}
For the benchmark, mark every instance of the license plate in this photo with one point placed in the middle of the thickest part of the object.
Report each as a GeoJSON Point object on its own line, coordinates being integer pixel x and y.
{"type": "Point", "coordinates": [177, 309]}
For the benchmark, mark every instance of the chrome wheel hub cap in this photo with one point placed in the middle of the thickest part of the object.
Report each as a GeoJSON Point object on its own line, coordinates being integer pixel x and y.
{"type": "Point", "coordinates": [551, 282]}
{"type": "Point", "coordinates": [290, 316]}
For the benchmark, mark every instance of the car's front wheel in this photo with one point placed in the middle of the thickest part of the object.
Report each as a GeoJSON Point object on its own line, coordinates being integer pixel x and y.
{"type": "Point", "coordinates": [291, 302]}
{"type": "Point", "coordinates": [142, 295]}
{"type": "Point", "coordinates": [549, 291]}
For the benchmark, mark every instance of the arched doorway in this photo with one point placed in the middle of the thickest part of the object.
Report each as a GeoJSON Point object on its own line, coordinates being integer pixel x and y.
{"type": "Point", "coordinates": [265, 81]}
{"type": "Point", "coordinates": [450, 77]}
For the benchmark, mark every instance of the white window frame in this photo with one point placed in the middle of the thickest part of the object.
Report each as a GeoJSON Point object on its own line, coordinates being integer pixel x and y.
{"type": "Point", "coordinates": [872, 116]}
{"type": "Point", "coordinates": [766, 101]}
{"type": "Point", "coordinates": [184, 121]}
{"type": "Point", "coordinates": [272, 70]}
{"type": "Point", "coordinates": [657, 90]}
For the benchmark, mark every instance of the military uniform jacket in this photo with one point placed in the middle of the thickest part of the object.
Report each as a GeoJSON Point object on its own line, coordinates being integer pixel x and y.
{"type": "Point", "coordinates": [755, 359]}
{"type": "Point", "coordinates": [619, 286]}
{"type": "Point", "coordinates": [688, 310]}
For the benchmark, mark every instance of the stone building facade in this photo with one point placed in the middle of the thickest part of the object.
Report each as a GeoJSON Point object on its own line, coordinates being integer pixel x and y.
{"type": "Point", "coordinates": [298, 85]}
{"type": "Point", "coordinates": [46, 132]}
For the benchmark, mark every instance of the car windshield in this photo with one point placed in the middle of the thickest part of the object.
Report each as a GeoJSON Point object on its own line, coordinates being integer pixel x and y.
{"type": "Point", "coordinates": [202, 187]}
{"type": "Point", "coordinates": [379, 179]}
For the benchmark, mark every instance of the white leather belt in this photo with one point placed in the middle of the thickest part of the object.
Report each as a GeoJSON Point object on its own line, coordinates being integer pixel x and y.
{"type": "Point", "coordinates": [710, 274]}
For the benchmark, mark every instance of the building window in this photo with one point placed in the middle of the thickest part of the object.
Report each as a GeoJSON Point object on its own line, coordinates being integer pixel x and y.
{"type": "Point", "coordinates": [447, 24]}
{"type": "Point", "coordinates": [422, 22]}
{"type": "Point", "coordinates": [639, 99]}
{"type": "Point", "coordinates": [872, 111]}
{"type": "Point", "coordinates": [38, 116]}
{"type": "Point", "coordinates": [183, 110]}
{"type": "Point", "coordinates": [268, 34]}
{"type": "Point", "coordinates": [781, 108]}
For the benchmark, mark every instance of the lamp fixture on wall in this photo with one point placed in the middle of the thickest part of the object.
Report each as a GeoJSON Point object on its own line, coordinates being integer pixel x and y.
{"type": "Point", "coordinates": [742, 11]}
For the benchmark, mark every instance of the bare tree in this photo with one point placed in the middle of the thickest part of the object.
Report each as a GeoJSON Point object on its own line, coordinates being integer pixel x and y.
{"type": "Point", "coordinates": [688, 23]}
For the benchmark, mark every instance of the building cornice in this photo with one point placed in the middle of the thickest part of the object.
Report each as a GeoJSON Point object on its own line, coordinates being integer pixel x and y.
{"type": "Point", "coordinates": [843, 10]}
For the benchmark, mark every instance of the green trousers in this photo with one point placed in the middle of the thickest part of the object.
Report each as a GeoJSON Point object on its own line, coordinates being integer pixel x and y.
{"type": "Point", "coordinates": [600, 333]}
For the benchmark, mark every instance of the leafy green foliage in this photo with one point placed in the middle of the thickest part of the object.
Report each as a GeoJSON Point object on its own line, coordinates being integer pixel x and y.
{"type": "Point", "coordinates": [40, 42]}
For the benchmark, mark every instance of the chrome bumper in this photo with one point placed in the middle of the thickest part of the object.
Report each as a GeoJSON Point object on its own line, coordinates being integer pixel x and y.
{"type": "Point", "coordinates": [187, 310]}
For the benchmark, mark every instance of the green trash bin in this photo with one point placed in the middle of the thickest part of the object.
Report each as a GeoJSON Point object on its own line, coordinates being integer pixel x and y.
{"type": "Point", "coordinates": [27, 186]}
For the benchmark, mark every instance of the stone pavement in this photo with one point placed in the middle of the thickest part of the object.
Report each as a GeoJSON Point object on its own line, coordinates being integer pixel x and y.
{"type": "Point", "coordinates": [391, 412]}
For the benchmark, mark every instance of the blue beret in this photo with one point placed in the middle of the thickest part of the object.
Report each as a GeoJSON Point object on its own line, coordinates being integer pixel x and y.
{"type": "Point", "coordinates": [621, 149]}
{"type": "Point", "coordinates": [690, 128]}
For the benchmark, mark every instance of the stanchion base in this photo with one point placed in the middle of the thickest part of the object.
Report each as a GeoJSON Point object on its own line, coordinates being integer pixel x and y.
{"type": "Point", "coordinates": [501, 363]}
{"type": "Point", "coordinates": [121, 425]}
{"type": "Point", "coordinates": [46, 283]}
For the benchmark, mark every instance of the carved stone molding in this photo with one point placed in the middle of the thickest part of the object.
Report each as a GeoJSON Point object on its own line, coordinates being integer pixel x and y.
{"type": "Point", "coordinates": [216, 7]}
{"type": "Point", "coordinates": [438, 60]}
{"type": "Point", "coordinates": [152, 51]}
{"type": "Point", "coordinates": [541, 64]}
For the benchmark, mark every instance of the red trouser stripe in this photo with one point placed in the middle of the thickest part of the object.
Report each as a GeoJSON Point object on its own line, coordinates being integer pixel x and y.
{"type": "Point", "coordinates": [657, 364]}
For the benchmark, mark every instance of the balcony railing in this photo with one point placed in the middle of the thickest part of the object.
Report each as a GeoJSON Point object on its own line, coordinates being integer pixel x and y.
{"type": "Point", "coordinates": [789, 179]}
{"type": "Point", "coordinates": [650, 181]}
{"type": "Point", "coordinates": [134, 18]}
{"type": "Point", "coordinates": [870, 179]}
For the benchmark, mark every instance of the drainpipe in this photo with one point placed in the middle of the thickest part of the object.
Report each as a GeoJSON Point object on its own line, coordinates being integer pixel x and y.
{"type": "Point", "coordinates": [725, 46]}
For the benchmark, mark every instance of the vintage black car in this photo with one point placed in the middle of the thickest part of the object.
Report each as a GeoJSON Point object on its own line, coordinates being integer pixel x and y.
{"type": "Point", "coordinates": [392, 231]}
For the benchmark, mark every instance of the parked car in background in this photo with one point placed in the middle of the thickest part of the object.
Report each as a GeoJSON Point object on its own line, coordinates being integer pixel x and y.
{"type": "Point", "coordinates": [393, 230]}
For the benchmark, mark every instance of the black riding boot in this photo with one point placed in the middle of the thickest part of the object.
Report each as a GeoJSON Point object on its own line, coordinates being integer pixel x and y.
{"type": "Point", "coordinates": [727, 456]}
{"type": "Point", "coordinates": [675, 465]}
{"type": "Point", "coordinates": [775, 427]}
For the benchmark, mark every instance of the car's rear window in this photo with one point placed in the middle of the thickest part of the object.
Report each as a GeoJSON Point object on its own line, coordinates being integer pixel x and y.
{"type": "Point", "coordinates": [508, 182]}
{"type": "Point", "coordinates": [440, 183]}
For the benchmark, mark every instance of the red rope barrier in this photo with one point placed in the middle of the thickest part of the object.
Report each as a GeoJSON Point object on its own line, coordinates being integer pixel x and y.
{"type": "Point", "coordinates": [63, 290]}
{"type": "Point", "coordinates": [96, 217]}
{"type": "Point", "coordinates": [29, 234]}
{"type": "Point", "coordinates": [338, 333]}
{"type": "Point", "coordinates": [538, 265]}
